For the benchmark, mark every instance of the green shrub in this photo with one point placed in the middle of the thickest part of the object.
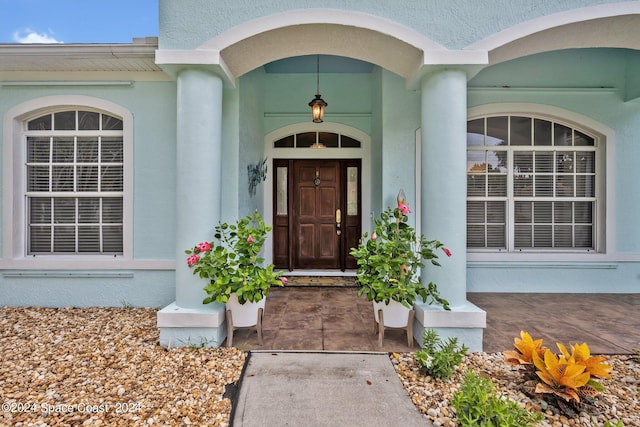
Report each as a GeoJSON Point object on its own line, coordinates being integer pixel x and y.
{"type": "Point", "coordinates": [437, 359]}
{"type": "Point", "coordinates": [478, 405]}
{"type": "Point", "coordinates": [232, 263]}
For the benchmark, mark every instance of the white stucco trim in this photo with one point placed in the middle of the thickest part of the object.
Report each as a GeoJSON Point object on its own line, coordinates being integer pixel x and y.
{"type": "Point", "coordinates": [363, 153]}
{"type": "Point", "coordinates": [607, 135]}
{"type": "Point", "coordinates": [13, 218]}
{"type": "Point", "coordinates": [173, 60]}
{"type": "Point", "coordinates": [456, 57]}
{"type": "Point", "coordinates": [195, 56]}
{"type": "Point", "coordinates": [359, 35]}
{"type": "Point", "coordinates": [82, 264]}
{"type": "Point", "coordinates": [321, 16]}
{"type": "Point", "coordinates": [556, 20]}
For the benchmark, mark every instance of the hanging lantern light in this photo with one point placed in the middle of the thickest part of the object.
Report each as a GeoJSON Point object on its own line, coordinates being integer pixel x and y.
{"type": "Point", "coordinates": [317, 104]}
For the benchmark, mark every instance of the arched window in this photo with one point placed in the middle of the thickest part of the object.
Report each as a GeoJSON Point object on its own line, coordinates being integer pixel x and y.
{"type": "Point", "coordinates": [74, 183]}
{"type": "Point", "coordinates": [316, 140]}
{"type": "Point", "coordinates": [532, 184]}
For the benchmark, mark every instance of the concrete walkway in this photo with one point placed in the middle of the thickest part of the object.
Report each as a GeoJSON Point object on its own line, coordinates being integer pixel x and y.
{"type": "Point", "coordinates": [322, 389]}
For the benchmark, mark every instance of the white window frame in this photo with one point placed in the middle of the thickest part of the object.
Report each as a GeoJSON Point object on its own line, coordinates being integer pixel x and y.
{"type": "Point", "coordinates": [14, 224]}
{"type": "Point", "coordinates": [604, 235]}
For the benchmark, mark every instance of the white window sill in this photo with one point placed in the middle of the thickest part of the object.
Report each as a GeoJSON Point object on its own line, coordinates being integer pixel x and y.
{"type": "Point", "coordinates": [51, 262]}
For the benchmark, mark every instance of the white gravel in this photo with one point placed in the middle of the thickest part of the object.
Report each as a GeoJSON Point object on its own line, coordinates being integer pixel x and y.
{"type": "Point", "coordinates": [103, 366]}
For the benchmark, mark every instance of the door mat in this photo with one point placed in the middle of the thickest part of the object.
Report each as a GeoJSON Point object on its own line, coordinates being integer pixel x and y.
{"type": "Point", "coordinates": [321, 281]}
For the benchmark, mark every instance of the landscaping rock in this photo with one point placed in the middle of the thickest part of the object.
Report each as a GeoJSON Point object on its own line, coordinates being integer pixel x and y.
{"type": "Point", "coordinates": [619, 401]}
{"type": "Point", "coordinates": [103, 366]}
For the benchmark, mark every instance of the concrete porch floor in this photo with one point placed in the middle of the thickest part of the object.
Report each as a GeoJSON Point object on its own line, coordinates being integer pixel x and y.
{"type": "Point", "coordinates": [335, 319]}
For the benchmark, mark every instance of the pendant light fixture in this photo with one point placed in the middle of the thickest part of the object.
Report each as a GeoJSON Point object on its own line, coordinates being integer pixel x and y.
{"type": "Point", "coordinates": [317, 104]}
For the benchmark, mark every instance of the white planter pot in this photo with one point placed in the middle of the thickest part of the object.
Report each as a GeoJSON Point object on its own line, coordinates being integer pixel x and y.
{"type": "Point", "coordinates": [244, 315]}
{"type": "Point", "coordinates": [247, 315]}
{"type": "Point", "coordinates": [394, 315]}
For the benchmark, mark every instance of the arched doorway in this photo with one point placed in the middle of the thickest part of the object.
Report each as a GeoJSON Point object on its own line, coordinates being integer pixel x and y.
{"type": "Point", "coordinates": [317, 199]}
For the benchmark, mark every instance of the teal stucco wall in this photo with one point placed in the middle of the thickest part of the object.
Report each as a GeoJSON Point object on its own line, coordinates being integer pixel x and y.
{"type": "Point", "coordinates": [595, 84]}
{"type": "Point", "coordinates": [451, 23]}
{"type": "Point", "coordinates": [152, 105]}
{"type": "Point", "coordinates": [601, 84]}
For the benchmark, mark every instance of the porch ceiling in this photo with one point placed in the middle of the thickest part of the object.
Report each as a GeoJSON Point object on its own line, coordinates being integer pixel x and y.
{"type": "Point", "coordinates": [328, 64]}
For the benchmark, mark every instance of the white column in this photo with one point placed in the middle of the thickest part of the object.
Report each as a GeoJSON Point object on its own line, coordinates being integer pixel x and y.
{"type": "Point", "coordinates": [198, 170]}
{"type": "Point", "coordinates": [444, 180]}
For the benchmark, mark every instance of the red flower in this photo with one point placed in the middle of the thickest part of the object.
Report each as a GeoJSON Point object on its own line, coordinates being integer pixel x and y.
{"type": "Point", "coordinates": [404, 209]}
{"type": "Point", "coordinates": [250, 239]}
{"type": "Point", "coordinates": [447, 251]}
{"type": "Point", "coordinates": [193, 259]}
{"type": "Point", "coordinates": [203, 247]}
{"type": "Point", "coordinates": [374, 236]}
{"type": "Point", "coordinates": [284, 280]}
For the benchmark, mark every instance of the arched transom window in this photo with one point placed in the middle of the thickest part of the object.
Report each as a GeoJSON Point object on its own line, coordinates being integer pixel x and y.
{"type": "Point", "coordinates": [531, 185]}
{"type": "Point", "coordinates": [316, 140]}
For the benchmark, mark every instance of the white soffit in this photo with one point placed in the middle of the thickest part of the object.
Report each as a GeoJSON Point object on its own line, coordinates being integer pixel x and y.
{"type": "Point", "coordinates": [78, 57]}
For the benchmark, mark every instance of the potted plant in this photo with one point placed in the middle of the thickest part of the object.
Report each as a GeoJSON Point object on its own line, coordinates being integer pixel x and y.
{"type": "Point", "coordinates": [235, 271]}
{"type": "Point", "coordinates": [389, 264]}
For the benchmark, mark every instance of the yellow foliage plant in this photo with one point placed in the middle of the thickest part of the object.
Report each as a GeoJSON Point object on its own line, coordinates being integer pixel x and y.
{"type": "Point", "coordinates": [567, 378]}
{"type": "Point", "coordinates": [560, 376]}
{"type": "Point", "coordinates": [526, 347]}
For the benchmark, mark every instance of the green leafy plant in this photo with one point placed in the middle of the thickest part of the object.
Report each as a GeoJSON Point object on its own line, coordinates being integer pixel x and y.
{"type": "Point", "coordinates": [477, 404]}
{"type": "Point", "coordinates": [196, 346]}
{"type": "Point", "coordinates": [389, 261]}
{"type": "Point", "coordinates": [439, 359]}
{"type": "Point", "coordinates": [608, 424]}
{"type": "Point", "coordinates": [232, 263]}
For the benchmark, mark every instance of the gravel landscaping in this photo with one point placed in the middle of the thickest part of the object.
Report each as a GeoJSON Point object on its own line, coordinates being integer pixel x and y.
{"type": "Point", "coordinates": [619, 401]}
{"type": "Point", "coordinates": [103, 366]}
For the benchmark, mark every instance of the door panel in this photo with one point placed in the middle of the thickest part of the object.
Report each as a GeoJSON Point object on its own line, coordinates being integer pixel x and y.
{"type": "Point", "coordinates": [316, 193]}
{"type": "Point", "coordinates": [306, 240]}
{"type": "Point", "coordinates": [281, 217]}
{"type": "Point", "coordinates": [328, 241]}
{"type": "Point", "coordinates": [352, 212]}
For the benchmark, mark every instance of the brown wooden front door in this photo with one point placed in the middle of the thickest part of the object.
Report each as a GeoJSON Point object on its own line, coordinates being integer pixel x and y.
{"type": "Point", "coordinates": [316, 215]}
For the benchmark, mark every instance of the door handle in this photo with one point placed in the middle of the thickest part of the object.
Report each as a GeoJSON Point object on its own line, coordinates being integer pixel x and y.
{"type": "Point", "coordinates": [338, 221]}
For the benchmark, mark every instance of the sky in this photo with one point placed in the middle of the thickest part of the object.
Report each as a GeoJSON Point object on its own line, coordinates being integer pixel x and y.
{"type": "Point", "coordinates": [77, 21]}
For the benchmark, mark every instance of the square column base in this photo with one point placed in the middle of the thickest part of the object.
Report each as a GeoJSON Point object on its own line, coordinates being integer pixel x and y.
{"type": "Point", "coordinates": [184, 327]}
{"type": "Point", "coordinates": [466, 322]}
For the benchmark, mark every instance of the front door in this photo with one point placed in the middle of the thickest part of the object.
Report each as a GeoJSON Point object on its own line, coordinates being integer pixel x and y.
{"type": "Point", "coordinates": [316, 213]}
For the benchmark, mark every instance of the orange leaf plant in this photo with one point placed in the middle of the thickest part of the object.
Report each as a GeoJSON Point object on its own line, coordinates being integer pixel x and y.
{"type": "Point", "coordinates": [525, 348]}
{"type": "Point", "coordinates": [567, 378]}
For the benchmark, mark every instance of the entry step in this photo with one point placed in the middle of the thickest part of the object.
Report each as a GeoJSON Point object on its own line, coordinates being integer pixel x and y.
{"type": "Point", "coordinates": [321, 281]}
